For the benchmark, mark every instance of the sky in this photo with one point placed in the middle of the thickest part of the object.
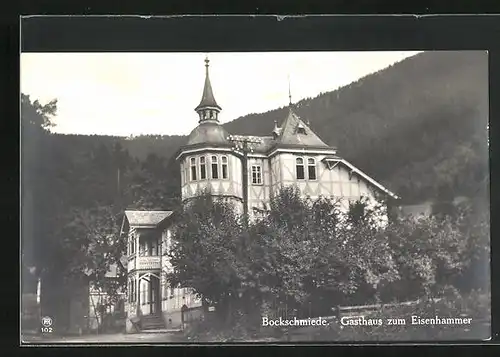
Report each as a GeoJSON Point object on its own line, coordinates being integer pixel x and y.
{"type": "Point", "coordinates": [155, 93]}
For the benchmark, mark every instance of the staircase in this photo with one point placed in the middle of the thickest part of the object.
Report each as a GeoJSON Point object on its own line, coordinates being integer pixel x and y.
{"type": "Point", "coordinates": [152, 322]}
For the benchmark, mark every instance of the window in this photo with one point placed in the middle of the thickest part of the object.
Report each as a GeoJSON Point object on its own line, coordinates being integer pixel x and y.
{"type": "Point", "coordinates": [164, 291]}
{"type": "Point", "coordinates": [154, 248]}
{"type": "Point", "coordinates": [311, 168]}
{"type": "Point", "coordinates": [203, 168]}
{"type": "Point", "coordinates": [215, 167]}
{"type": "Point", "coordinates": [143, 293]}
{"type": "Point", "coordinates": [300, 168]}
{"type": "Point", "coordinates": [224, 167]}
{"type": "Point", "coordinates": [132, 291]}
{"type": "Point", "coordinates": [256, 175]}
{"type": "Point", "coordinates": [152, 298]}
{"type": "Point", "coordinates": [193, 169]}
{"type": "Point", "coordinates": [132, 244]}
{"type": "Point", "coordinates": [120, 307]}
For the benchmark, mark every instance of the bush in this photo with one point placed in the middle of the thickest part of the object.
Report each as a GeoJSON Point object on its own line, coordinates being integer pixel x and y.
{"type": "Point", "coordinates": [475, 305]}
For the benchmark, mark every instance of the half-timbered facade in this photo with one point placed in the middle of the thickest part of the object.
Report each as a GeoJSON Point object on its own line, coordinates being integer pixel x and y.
{"type": "Point", "coordinates": [250, 169]}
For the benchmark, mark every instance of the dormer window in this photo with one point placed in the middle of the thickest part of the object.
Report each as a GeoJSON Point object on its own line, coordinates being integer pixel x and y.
{"type": "Point", "coordinates": [301, 129]}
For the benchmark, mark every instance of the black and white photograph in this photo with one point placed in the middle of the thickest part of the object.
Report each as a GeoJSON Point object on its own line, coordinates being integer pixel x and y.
{"type": "Point", "coordinates": [225, 197]}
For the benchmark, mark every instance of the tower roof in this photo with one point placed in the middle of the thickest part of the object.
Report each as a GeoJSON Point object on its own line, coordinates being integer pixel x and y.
{"type": "Point", "coordinates": [295, 132]}
{"type": "Point", "coordinates": [208, 133]}
{"type": "Point", "coordinates": [207, 99]}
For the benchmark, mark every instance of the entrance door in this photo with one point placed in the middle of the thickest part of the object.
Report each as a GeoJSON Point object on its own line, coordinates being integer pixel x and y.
{"type": "Point", "coordinates": [155, 295]}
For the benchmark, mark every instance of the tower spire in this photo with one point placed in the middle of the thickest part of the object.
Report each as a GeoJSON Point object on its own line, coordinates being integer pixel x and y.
{"type": "Point", "coordinates": [289, 92]}
{"type": "Point", "coordinates": [208, 109]}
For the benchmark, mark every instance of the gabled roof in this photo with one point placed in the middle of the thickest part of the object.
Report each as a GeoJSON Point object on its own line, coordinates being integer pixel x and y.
{"type": "Point", "coordinates": [146, 218]}
{"type": "Point", "coordinates": [289, 135]}
{"type": "Point", "coordinates": [363, 175]}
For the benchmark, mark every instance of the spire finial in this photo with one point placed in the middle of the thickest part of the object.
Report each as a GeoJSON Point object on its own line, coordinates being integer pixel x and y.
{"type": "Point", "coordinates": [207, 63]}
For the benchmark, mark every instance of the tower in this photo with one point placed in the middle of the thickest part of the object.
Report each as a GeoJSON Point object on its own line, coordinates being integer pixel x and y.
{"type": "Point", "coordinates": [207, 160]}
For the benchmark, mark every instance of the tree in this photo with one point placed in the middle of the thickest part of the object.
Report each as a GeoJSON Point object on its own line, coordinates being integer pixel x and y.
{"type": "Point", "coordinates": [36, 119]}
{"type": "Point", "coordinates": [153, 184]}
{"type": "Point", "coordinates": [92, 244]}
{"type": "Point", "coordinates": [35, 114]}
{"type": "Point", "coordinates": [208, 253]}
{"type": "Point", "coordinates": [428, 254]}
{"type": "Point", "coordinates": [310, 249]}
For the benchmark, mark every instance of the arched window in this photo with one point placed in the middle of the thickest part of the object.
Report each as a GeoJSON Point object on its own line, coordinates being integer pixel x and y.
{"type": "Point", "coordinates": [193, 169]}
{"type": "Point", "coordinates": [203, 168]}
{"type": "Point", "coordinates": [215, 167]}
{"type": "Point", "coordinates": [311, 168]}
{"type": "Point", "coordinates": [224, 167]}
{"type": "Point", "coordinates": [300, 168]}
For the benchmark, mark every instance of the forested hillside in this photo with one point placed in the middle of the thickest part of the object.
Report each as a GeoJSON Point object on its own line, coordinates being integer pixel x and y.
{"type": "Point", "coordinates": [418, 126]}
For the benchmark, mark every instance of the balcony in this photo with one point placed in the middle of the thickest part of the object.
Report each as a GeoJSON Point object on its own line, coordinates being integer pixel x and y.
{"type": "Point", "coordinates": [145, 263]}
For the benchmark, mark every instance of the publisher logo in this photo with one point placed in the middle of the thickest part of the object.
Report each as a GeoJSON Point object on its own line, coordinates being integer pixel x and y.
{"type": "Point", "coordinates": [46, 321]}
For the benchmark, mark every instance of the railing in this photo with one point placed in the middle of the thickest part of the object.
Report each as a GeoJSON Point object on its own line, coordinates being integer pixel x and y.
{"type": "Point", "coordinates": [148, 263]}
{"type": "Point", "coordinates": [362, 310]}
